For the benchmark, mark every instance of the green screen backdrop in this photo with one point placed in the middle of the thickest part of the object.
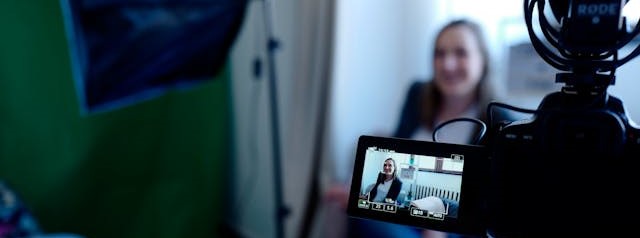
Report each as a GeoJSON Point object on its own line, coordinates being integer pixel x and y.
{"type": "Point", "coordinates": [154, 169]}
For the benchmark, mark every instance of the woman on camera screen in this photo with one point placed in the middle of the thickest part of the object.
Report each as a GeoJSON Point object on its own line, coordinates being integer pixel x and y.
{"type": "Point", "coordinates": [387, 186]}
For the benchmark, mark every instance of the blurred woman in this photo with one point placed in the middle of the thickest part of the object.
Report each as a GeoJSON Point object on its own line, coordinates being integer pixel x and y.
{"type": "Point", "coordinates": [460, 87]}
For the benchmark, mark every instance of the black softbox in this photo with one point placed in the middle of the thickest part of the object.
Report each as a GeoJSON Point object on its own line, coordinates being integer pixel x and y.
{"type": "Point", "coordinates": [125, 51]}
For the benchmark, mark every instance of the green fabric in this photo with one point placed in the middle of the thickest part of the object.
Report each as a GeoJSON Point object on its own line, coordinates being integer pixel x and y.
{"type": "Point", "coordinates": [155, 169]}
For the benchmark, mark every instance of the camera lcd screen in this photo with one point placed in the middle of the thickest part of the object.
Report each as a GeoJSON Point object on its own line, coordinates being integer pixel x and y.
{"type": "Point", "coordinates": [425, 184]}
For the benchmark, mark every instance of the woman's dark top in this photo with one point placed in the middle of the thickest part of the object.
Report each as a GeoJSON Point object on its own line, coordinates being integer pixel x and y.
{"type": "Point", "coordinates": [394, 190]}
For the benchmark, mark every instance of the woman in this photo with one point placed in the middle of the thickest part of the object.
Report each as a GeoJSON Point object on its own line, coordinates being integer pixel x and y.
{"type": "Point", "coordinates": [387, 186]}
{"type": "Point", "coordinates": [460, 87]}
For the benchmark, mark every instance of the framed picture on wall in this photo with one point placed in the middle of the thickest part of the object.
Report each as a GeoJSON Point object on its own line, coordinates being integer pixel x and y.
{"type": "Point", "coordinates": [408, 172]}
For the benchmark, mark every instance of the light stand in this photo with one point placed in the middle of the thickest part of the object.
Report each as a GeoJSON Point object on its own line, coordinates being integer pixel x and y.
{"type": "Point", "coordinates": [272, 44]}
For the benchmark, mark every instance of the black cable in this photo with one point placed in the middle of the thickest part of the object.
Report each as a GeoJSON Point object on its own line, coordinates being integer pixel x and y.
{"type": "Point", "coordinates": [479, 136]}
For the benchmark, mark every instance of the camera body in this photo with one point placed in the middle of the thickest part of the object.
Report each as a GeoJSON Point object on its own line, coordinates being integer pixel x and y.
{"type": "Point", "coordinates": [569, 168]}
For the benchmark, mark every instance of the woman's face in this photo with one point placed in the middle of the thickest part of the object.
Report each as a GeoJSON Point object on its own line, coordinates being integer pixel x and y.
{"type": "Point", "coordinates": [457, 61]}
{"type": "Point", "coordinates": [388, 167]}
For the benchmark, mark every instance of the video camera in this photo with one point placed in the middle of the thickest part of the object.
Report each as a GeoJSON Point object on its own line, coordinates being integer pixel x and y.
{"type": "Point", "coordinates": [568, 169]}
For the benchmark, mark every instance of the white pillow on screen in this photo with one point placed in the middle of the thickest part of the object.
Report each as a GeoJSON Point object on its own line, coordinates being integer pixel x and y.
{"type": "Point", "coordinates": [430, 203]}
